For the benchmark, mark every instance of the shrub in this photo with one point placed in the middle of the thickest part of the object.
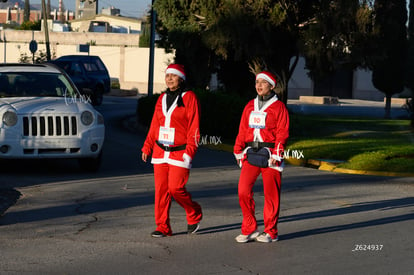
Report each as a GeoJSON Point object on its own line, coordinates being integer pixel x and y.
{"type": "Point", "coordinates": [409, 106]}
{"type": "Point", "coordinates": [145, 109]}
{"type": "Point", "coordinates": [220, 113]}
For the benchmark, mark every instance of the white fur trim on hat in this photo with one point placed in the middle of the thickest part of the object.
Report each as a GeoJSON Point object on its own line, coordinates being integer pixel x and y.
{"type": "Point", "coordinates": [267, 78]}
{"type": "Point", "coordinates": [176, 72]}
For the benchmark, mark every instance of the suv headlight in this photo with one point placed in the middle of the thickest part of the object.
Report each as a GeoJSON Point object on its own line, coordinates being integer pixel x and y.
{"type": "Point", "coordinates": [10, 118]}
{"type": "Point", "coordinates": [87, 118]}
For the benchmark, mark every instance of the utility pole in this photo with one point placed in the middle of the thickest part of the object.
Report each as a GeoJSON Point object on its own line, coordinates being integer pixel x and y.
{"type": "Point", "coordinates": [151, 55]}
{"type": "Point", "coordinates": [46, 30]}
{"type": "Point", "coordinates": [5, 45]}
{"type": "Point", "coordinates": [4, 37]}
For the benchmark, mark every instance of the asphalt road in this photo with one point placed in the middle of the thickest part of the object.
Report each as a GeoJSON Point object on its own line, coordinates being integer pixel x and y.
{"type": "Point", "coordinates": [67, 222]}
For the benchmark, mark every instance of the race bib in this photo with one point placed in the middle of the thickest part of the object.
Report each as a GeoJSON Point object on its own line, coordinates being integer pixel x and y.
{"type": "Point", "coordinates": [257, 120]}
{"type": "Point", "coordinates": [166, 135]}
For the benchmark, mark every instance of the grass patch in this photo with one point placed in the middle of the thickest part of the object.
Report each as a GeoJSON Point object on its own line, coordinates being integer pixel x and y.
{"type": "Point", "coordinates": [361, 143]}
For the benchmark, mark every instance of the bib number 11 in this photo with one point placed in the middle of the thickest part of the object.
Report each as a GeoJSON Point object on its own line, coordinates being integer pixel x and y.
{"type": "Point", "coordinates": [166, 135]}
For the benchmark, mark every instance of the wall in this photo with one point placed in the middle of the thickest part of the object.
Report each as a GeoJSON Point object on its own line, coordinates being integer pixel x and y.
{"type": "Point", "coordinates": [363, 87]}
{"type": "Point", "coordinates": [73, 38]}
{"type": "Point", "coordinates": [300, 84]}
{"type": "Point", "coordinates": [128, 64]}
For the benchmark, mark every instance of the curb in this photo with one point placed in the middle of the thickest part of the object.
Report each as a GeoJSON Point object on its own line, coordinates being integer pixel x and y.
{"type": "Point", "coordinates": [8, 197]}
{"type": "Point", "coordinates": [331, 167]}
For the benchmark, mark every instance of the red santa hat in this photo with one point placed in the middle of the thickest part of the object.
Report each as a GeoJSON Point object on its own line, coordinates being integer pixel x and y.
{"type": "Point", "coordinates": [268, 76]}
{"type": "Point", "coordinates": [176, 69]}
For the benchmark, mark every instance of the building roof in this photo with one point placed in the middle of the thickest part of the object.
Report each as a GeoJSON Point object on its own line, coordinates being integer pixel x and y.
{"type": "Point", "coordinates": [101, 16]}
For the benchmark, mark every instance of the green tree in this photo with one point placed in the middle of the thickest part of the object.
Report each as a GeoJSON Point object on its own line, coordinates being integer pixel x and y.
{"type": "Point", "coordinates": [180, 31]}
{"type": "Point", "coordinates": [26, 11]}
{"type": "Point", "coordinates": [250, 36]}
{"type": "Point", "coordinates": [388, 74]}
{"type": "Point", "coordinates": [48, 9]}
{"type": "Point", "coordinates": [61, 14]}
{"type": "Point", "coordinates": [338, 37]}
{"type": "Point", "coordinates": [29, 25]}
{"type": "Point", "coordinates": [409, 79]}
{"type": "Point", "coordinates": [236, 38]}
{"type": "Point", "coordinates": [409, 76]}
{"type": "Point", "coordinates": [144, 38]}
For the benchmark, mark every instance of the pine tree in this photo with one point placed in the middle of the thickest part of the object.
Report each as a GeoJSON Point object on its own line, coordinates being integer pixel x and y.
{"type": "Point", "coordinates": [410, 49]}
{"type": "Point", "coordinates": [26, 12]}
{"type": "Point", "coordinates": [390, 32]}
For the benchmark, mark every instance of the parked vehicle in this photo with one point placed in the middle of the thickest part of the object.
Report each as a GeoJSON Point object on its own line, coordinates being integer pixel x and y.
{"type": "Point", "coordinates": [89, 74]}
{"type": "Point", "coordinates": [43, 115]}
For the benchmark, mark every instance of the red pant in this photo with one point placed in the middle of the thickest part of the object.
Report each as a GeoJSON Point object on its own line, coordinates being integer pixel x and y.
{"type": "Point", "coordinates": [170, 182]}
{"type": "Point", "coordinates": [271, 188]}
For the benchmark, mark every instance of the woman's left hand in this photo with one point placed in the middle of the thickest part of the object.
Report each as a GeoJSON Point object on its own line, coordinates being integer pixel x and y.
{"type": "Point", "coordinates": [274, 162]}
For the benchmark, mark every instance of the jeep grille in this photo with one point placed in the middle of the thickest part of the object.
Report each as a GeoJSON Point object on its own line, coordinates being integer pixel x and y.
{"type": "Point", "coordinates": [50, 126]}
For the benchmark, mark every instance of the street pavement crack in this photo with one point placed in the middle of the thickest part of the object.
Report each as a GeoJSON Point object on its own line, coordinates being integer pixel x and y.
{"type": "Point", "coordinates": [87, 225]}
{"type": "Point", "coordinates": [79, 211]}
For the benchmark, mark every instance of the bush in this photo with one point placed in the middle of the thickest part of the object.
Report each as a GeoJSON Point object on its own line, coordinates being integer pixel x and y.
{"type": "Point", "coordinates": [220, 114]}
{"type": "Point", "coordinates": [29, 25]}
{"type": "Point", "coordinates": [115, 83]}
{"type": "Point", "coordinates": [409, 106]}
{"type": "Point", "coordinates": [145, 109]}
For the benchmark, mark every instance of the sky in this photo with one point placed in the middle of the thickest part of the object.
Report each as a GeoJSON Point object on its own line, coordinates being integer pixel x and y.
{"type": "Point", "coordinates": [129, 8]}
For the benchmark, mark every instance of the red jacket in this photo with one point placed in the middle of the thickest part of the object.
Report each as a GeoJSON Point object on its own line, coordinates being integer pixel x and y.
{"type": "Point", "coordinates": [276, 128]}
{"type": "Point", "coordinates": [184, 120]}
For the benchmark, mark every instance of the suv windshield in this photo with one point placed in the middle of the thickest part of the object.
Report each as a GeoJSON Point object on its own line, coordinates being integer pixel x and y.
{"type": "Point", "coordinates": [28, 84]}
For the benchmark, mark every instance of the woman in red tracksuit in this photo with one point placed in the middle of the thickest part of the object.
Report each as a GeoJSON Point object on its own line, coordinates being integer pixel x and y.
{"type": "Point", "coordinates": [264, 124]}
{"type": "Point", "coordinates": [172, 140]}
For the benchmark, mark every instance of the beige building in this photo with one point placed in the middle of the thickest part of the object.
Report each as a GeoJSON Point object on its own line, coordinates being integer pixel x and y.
{"type": "Point", "coordinates": [86, 8]}
{"type": "Point", "coordinates": [111, 23]}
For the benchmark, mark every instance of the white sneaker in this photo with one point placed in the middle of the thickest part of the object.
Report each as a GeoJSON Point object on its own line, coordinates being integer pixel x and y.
{"type": "Point", "coordinates": [266, 238]}
{"type": "Point", "coordinates": [247, 238]}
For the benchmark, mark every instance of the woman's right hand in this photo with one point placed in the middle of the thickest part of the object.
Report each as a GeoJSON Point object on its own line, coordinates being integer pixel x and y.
{"type": "Point", "coordinates": [144, 157]}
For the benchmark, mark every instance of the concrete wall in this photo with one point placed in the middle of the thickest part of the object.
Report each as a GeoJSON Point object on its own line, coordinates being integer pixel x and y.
{"type": "Point", "coordinates": [128, 64]}
{"type": "Point", "coordinates": [301, 84]}
{"type": "Point", "coordinates": [73, 38]}
{"type": "Point", "coordinates": [363, 87]}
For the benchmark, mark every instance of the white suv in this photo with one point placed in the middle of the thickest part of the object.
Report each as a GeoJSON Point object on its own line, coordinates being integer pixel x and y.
{"type": "Point", "coordinates": [43, 115]}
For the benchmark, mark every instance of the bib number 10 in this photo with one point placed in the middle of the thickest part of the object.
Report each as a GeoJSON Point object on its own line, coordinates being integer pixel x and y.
{"type": "Point", "coordinates": [257, 120]}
